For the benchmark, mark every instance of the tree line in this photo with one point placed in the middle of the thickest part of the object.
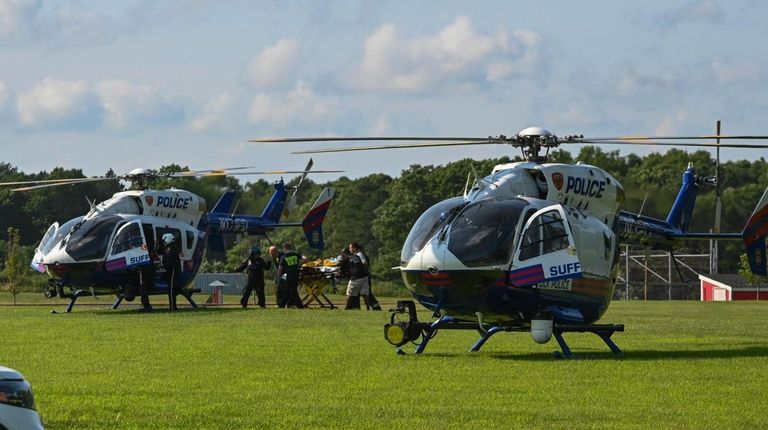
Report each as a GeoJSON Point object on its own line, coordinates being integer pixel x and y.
{"type": "Point", "coordinates": [378, 210]}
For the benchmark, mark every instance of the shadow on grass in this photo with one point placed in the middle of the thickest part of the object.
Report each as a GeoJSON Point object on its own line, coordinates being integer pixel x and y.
{"type": "Point", "coordinates": [162, 310]}
{"type": "Point", "coordinates": [645, 355]}
{"type": "Point", "coordinates": [629, 355]}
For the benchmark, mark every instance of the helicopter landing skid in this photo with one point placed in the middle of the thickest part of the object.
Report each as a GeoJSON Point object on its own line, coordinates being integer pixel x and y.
{"type": "Point", "coordinates": [410, 330]}
{"type": "Point", "coordinates": [428, 331]}
{"type": "Point", "coordinates": [73, 298]}
{"type": "Point", "coordinates": [605, 331]}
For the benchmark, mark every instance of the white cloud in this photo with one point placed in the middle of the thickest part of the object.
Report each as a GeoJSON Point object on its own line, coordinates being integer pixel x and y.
{"type": "Point", "coordinates": [56, 103]}
{"type": "Point", "coordinates": [17, 18]}
{"type": "Point", "coordinates": [632, 83]}
{"type": "Point", "coordinates": [273, 64]}
{"type": "Point", "coordinates": [3, 94]}
{"type": "Point", "coordinates": [735, 71]}
{"type": "Point", "coordinates": [212, 114]}
{"type": "Point", "coordinates": [128, 105]}
{"type": "Point", "coordinates": [576, 114]}
{"type": "Point", "coordinates": [705, 11]}
{"type": "Point", "coordinates": [458, 54]}
{"type": "Point", "coordinates": [55, 26]}
{"type": "Point", "coordinates": [300, 105]}
{"type": "Point", "coordinates": [381, 126]}
{"type": "Point", "coordinates": [68, 26]}
{"type": "Point", "coordinates": [671, 124]}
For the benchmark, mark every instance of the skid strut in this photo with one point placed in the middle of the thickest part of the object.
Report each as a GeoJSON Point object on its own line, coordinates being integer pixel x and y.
{"type": "Point", "coordinates": [605, 331]}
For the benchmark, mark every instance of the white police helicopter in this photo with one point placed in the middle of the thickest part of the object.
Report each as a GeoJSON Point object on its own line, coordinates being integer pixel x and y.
{"type": "Point", "coordinates": [534, 246]}
{"type": "Point", "coordinates": [100, 252]}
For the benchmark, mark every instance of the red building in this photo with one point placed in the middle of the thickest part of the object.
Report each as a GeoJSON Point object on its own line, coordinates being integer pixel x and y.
{"type": "Point", "coordinates": [725, 287]}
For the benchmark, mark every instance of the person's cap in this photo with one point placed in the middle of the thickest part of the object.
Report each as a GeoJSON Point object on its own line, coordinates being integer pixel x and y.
{"type": "Point", "coordinates": [169, 238]}
{"type": "Point", "coordinates": [255, 250]}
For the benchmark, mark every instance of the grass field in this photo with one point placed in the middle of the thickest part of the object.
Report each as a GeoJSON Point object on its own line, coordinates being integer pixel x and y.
{"type": "Point", "coordinates": [686, 365]}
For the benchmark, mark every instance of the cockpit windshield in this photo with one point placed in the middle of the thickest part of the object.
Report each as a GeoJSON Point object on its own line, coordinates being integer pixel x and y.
{"type": "Point", "coordinates": [60, 234]}
{"type": "Point", "coordinates": [91, 239]}
{"type": "Point", "coordinates": [428, 224]}
{"type": "Point", "coordinates": [482, 234]}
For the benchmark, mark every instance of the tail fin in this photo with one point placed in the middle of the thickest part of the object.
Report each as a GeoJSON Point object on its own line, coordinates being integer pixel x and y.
{"type": "Point", "coordinates": [682, 210]}
{"type": "Point", "coordinates": [274, 209]}
{"type": "Point", "coordinates": [754, 235]}
{"type": "Point", "coordinates": [225, 203]}
{"type": "Point", "coordinates": [313, 222]}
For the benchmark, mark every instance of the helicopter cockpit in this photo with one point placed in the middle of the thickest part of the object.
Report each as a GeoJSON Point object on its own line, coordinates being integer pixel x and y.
{"type": "Point", "coordinates": [90, 240]}
{"type": "Point", "coordinates": [489, 232]}
{"type": "Point", "coordinates": [481, 233]}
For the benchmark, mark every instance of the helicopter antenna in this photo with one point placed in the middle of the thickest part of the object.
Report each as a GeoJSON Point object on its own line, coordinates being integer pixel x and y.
{"type": "Point", "coordinates": [91, 203]}
{"type": "Point", "coordinates": [640, 212]}
{"type": "Point", "coordinates": [466, 184]}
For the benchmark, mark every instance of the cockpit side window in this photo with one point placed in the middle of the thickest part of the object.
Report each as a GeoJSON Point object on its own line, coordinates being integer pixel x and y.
{"type": "Point", "coordinates": [128, 238]}
{"type": "Point", "coordinates": [546, 234]}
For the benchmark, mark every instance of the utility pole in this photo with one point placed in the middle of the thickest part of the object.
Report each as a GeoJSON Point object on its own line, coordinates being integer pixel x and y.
{"type": "Point", "coordinates": [718, 206]}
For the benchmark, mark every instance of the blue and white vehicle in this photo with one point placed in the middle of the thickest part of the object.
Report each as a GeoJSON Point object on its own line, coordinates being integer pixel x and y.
{"type": "Point", "coordinates": [534, 246]}
{"type": "Point", "coordinates": [100, 253]}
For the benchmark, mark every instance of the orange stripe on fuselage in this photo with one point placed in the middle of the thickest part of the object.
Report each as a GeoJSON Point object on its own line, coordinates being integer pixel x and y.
{"type": "Point", "coordinates": [591, 286]}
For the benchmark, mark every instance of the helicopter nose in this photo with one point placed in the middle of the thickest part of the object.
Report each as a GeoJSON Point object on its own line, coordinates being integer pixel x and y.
{"type": "Point", "coordinates": [57, 256]}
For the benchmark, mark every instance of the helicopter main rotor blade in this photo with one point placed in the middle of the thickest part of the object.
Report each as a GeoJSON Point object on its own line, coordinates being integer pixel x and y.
{"type": "Point", "coordinates": [652, 143]}
{"type": "Point", "coordinates": [646, 138]}
{"type": "Point", "coordinates": [284, 172]}
{"type": "Point", "coordinates": [49, 181]}
{"type": "Point", "coordinates": [413, 145]}
{"type": "Point", "coordinates": [208, 172]}
{"type": "Point", "coordinates": [365, 138]}
{"type": "Point", "coordinates": [37, 187]}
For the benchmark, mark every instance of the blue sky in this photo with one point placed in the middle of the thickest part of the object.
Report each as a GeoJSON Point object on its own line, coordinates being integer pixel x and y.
{"type": "Point", "coordinates": [125, 84]}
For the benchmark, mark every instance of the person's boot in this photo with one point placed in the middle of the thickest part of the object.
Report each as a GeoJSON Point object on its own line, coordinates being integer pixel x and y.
{"type": "Point", "coordinates": [375, 306]}
{"type": "Point", "coordinates": [353, 302]}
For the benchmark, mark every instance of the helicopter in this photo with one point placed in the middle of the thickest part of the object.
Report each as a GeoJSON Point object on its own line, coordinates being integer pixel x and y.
{"type": "Point", "coordinates": [99, 253]}
{"type": "Point", "coordinates": [534, 246]}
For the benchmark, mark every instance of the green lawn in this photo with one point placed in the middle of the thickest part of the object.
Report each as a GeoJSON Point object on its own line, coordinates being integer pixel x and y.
{"type": "Point", "coordinates": [686, 365]}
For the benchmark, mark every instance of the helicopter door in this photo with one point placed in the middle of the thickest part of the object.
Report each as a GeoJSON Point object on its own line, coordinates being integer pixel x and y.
{"type": "Point", "coordinates": [129, 248]}
{"type": "Point", "coordinates": [546, 254]}
{"type": "Point", "coordinates": [43, 248]}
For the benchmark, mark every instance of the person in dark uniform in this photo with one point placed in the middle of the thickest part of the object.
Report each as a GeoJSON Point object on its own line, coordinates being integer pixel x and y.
{"type": "Point", "coordinates": [255, 267]}
{"type": "Point", "coordinates": [288, 270]}
{"type": "Point", "coordinates": [147, 283]}
{"type": "Point", "coordinates": [358, 277]}
{"type": "Point", "coordinates": [370, 300]}
{"type": "Point", "coordinates": [172, 265]}
{"type": "Point", "coordinates": [276, 255]}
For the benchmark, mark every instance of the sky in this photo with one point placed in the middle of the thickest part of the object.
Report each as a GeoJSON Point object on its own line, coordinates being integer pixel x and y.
{"type": "Point", "coordinates": [126, 84]}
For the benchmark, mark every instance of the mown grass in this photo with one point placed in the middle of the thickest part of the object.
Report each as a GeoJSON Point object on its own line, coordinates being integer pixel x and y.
{"type": "Point", "coordinates": [686, 365]}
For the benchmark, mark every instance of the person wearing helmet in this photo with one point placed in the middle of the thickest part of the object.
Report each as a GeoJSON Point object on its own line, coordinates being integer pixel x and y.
{"type": "Point", "coordinates": [254, 266]}
{"type": "Point", "coordinates": [172, 265]}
